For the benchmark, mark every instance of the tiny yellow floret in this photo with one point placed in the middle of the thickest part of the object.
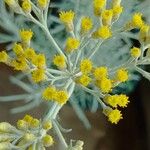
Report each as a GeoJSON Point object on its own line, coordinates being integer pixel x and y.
{"type": "Point", "coordinates": [47, 140]}
{"type": "Point", "coordinates": [38, 75]}
{"type": "Point", "coordinates": [86, 66]}
{"type": "Point", "coordinates": [47, 125]}
{"type": "Point", "coordinates": [26, 6]}
{"type": "Point", "coordinates": [34, 123]}
{"type": "Point", "coordinates": [123, 100]}
{"type": "Point", "coordinates": [114, 116]}
{"type": "Point", "coordinates": [21, 124]}
{"type": "Point", "coordinates": [20, 64]}
{"type": "Point", "coordinates": [67, 16]}
{"type": "Point", "coordinates": [98, 6]}
{"type": "Point", "coordinates": [62, 97]}
{"type": "Point", "coordinates": [104, 32]}
{"type": "Point", "coordinates": [104, 84]}
{"type": "Point", "coordinates": [122, 75]}
{"type": "Point", "coordinates": [39, 60]}
{"type": "Point", "coordinates": [30, 53]}
{"type": "Point", "coordinates": [135, 52]}
{"type": "Point", "coordinates": [72, 44]}
{"type": "Point", "coordinates": [49, 93]}
{"type": "Point", "coordinates": [28, 118]}
{"type": "Point", "coordinates": [86, 24]}
{"type": "Point", "coordinates": [18, 49]}
{"type": "Point", "coordinates": [107, 17]}
{"type": "Point", "coordinates": [84, 80]}
{"type": "Point", "coordinates": [59, 61]}
{"type": "Point", "coordinates": [42, 3]}
{"type": "Point", "coordinates": [137, 20]}
{"type": "Point", "coordinates": [111, 100]}
{"type": "Point", "coordinates": [3, 56]}
{"type": "Point", "coordinates": [25, 35]}
{"type": "Point", "coordinates": [100, 72]}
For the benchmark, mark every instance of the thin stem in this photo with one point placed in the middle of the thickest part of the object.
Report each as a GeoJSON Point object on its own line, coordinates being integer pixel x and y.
{"type": "Point", "coordinates": [60, 136]}
{"type": "Point", "coordinates": [94, 50]}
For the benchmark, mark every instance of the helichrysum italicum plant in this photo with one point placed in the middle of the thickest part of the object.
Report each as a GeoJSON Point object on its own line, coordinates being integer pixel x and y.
{"type": "Point", "coordinates": [73, 68]}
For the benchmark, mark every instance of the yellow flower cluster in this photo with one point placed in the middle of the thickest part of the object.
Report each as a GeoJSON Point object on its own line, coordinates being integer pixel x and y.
{"type": "Point", "coordinates": [72, 44]}
{"type": "Point", "coordinates": [29, 124]}
{"type": "Point", "coordinates": [26, 58]}
{"type": "Point", "coordinates": [117, 100]}
{"type": "Point", "coordinates": [51, 93]}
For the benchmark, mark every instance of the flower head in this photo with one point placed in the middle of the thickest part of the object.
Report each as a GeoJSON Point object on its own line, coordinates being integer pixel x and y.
{"type": "Point", "coordinates": [135, 52]}
{"type": "Point", "coordinates": [114, 116]}
{"type": "Point", "coordinates": [47, 140]}
{"type": "Point", "coordinates": [26, 35]}
{"type": "Point", "coordinates": [84, 80]}
{"type": "Point", "coordinates": [67, 18]}
{"type": "Point", "coordinates": [104, 84]}
{"type": "Point", "coordinates": [59, 61]}
{"type": "Point", "coordinates": [86, 24]}
{"type": "Point", "coordinates": [18, 49]}
{"type": "Point", "coordinates": [98, 6]}
{"type": "Point", "coordinates": [39, 60]}
{"type": "Point", "coordinates": [100, 72]}
{"type": "Point", "coordinates": [86, 66]}
{"type": "Point", "coordinates": [42, 3]}
{"type": "Point", "coordinates": [107, 17]}
{"type": "Point", "coordinates": [137, 20]}
{"type": "Point", "coordinates": [111, 100]}
{"type": "Point", "coordinates": [20, 64]}
{"type": "Point", "coordinates": [30, 53]}
{"type": "Point", "coordinates": [123, 100]}
{"type": "Point", "coordinates": [49, 93]}
{"type": "Point", "coordinates": [117, 10]}
{"type": "Point", "coordinates": [3, 56]}
{"type": "Point", "coordinates": [72, 44]}
{"type": "Point", "coordinates": [103, 32]}
{"type": "Point", "coordinates": [122, 75]}
{"type": "Point", "coordinates": [61, 97]}
{"type": "Point", "coordinates": [26, 6]}
{"type": "Point", "coordinates": [38, 75]}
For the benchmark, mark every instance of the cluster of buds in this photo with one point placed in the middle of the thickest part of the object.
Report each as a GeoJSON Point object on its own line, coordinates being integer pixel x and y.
{"type": "Point", "coordinates": [25, 6]}
{"type": "Point", "coordinates": [29, 134]}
